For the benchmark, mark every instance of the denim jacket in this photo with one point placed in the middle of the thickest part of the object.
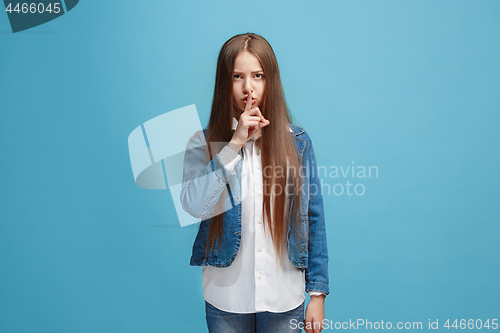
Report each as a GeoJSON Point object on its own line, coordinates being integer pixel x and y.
{"type": "Point", "coordinates": [203, 184]}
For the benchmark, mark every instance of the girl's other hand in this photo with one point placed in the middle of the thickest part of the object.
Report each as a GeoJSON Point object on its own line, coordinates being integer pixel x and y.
{"type": "Point", "coordinates": [250, 122]}
{"type": "Point", "coordinates": [315, 314]}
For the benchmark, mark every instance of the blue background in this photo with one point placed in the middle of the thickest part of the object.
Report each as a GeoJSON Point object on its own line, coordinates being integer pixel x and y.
{"type": "Point", "coordinates": [408, 86]}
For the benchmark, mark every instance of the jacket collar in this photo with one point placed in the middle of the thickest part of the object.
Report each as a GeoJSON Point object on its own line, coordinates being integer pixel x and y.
{"type": "Point", "coordinates": [297, 130]}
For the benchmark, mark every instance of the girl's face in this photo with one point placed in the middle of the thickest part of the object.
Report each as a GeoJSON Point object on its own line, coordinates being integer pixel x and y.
{"type": "Point", "coordinates": [248, 77]}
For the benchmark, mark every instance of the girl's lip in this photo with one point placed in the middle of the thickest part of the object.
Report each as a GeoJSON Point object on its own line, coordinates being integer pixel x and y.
{"type": "Point", "coordinates": [245, 100]}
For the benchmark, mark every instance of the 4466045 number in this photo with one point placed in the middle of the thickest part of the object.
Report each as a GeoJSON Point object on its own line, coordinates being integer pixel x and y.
{"type": "Point", "coordinates": [471, 324]}
{"type": "Point", "coordinates": [34, 8]}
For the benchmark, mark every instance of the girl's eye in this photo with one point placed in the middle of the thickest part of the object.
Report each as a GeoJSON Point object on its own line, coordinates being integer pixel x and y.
{"type": "Point", "coordinates": [236, 76]}
{"type": "Point", "coordinates": [259, 76]}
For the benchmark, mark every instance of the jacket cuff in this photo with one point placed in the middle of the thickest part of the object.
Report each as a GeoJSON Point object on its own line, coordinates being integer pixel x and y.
{"type": "Point", "coordinates": [317, 287]}
{"type": "Point", "coordinates": [229, 158]}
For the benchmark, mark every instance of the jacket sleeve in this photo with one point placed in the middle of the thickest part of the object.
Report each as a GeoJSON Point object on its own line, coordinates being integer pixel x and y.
{"type": "Point", "coordinates": [317, 269]}
{"type": "Point", "coordinates": [203, 183]}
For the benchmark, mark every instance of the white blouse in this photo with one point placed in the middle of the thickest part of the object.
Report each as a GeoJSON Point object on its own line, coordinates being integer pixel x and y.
{"type": "Point", "coordinates": [253, 282]}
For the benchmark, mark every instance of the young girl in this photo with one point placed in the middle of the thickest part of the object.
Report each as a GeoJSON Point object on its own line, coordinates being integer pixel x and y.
{"type": "Point", "coordinates": [251, 177]}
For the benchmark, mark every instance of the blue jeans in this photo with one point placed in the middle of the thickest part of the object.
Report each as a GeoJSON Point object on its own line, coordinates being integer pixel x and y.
{"type": "Point", "coordinates": [219, 321]}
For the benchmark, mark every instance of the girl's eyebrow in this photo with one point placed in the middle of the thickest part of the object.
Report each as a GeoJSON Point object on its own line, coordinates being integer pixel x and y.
{"type": "Point", "coordinates": [236, 72]}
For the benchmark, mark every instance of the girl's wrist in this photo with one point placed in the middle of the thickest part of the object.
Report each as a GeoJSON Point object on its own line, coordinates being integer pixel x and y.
{"type": "Point", "coordinates": [318, 297]}
{"type": "Point", "coordinates": [234, 146]}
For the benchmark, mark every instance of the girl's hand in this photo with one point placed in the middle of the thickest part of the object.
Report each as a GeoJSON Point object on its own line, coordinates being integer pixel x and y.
{"type": "Point", "coordinates": [315, 314]}
{"type": "Point", "coordinates": [251, 121]}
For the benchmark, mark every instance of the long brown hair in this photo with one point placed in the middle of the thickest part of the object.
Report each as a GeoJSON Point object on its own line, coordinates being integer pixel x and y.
{"type": "Point", "coordinates": [277, 142]}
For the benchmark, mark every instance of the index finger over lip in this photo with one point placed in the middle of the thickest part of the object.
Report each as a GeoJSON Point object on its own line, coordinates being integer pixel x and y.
{"type": "Point", "coordinates": [248, 106]}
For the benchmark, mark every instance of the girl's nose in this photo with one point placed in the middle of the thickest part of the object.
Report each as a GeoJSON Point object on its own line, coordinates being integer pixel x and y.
{"type": "Point", "coordinates": [247, 88]}
{"type": "Point", "coordinates": [247, 91]}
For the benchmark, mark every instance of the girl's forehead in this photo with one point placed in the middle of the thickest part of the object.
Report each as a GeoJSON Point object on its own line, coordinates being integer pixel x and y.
{"type": "Point", "coordinates": [246, 61]}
